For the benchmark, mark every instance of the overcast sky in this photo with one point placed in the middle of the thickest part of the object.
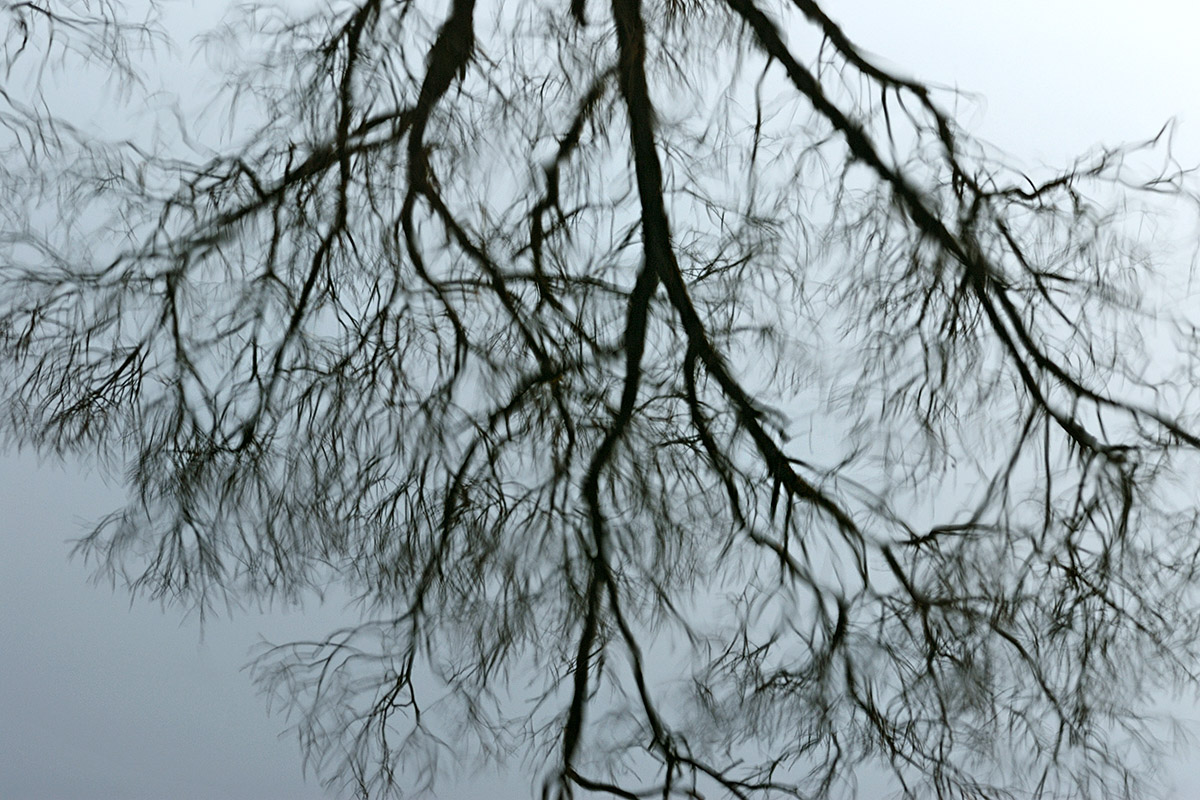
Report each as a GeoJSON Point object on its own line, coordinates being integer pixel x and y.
{"type": "Point", "coordinates": [101, 699]}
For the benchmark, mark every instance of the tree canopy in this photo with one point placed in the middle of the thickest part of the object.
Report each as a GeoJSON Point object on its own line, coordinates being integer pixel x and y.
{"type": "Point", "coordinates": [694, 406]}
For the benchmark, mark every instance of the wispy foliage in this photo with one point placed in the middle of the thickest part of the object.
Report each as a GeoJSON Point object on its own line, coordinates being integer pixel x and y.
{"type": "Point", "coordinates": [694, 406]}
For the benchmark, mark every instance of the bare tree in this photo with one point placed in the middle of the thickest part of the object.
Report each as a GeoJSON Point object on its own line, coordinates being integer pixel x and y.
{"type": "Point", "coordinates": [695, 408]}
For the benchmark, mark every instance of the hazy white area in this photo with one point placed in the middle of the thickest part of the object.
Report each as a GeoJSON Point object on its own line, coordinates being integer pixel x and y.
{"type": "Point", "coordinates": [103, 699]}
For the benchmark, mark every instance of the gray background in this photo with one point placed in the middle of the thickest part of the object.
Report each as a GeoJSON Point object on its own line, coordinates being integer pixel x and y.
{"type": "Point", "coordinates": [100, 698]}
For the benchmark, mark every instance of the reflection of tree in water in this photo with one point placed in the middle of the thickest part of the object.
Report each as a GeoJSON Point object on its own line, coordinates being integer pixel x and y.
{"type": "Point", "coordinates": [694, 412]}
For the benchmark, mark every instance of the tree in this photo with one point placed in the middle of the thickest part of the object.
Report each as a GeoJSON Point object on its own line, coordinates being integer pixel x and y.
{"type": "Point", "coordinates": [694, 406]}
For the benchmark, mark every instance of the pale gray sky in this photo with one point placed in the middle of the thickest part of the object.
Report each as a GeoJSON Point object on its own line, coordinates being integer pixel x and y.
{"type": "Point", "coordinates": [101, 699]}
